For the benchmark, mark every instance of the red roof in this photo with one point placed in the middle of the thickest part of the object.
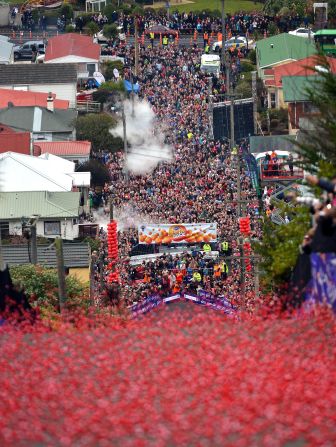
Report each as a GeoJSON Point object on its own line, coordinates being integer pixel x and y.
{"type": "Point", "coordinates": [64, 148]}
{"type": "Point", "coordinates": [72, 44]}
{"type": "Point", "coordinates": [299, 68]}
{"type": "Point", "coordinates": [22, 98]}
{"type": "Point", "coordinates": [12, 141]}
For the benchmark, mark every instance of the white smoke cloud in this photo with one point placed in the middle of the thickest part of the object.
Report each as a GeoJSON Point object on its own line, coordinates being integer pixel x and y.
{"type": "Point", "coordinates": [126, 217]}
{"type": "Point", "coordinates": [144, 137]}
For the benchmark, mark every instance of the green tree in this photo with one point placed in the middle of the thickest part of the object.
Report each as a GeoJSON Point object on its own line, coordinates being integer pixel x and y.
{"type": "Point", "coordinates": [110, 31]}
{"type": "Point", "coordinates": [41, 284]}
{"type": "Point", "coordinates": [99, 172]}
{"type": "Point", "coordinates": [318, 147]}
{"type": "Point", "coordinates": [96, 128]}
{"type": "Point", "coordinates": [279, 248]}
{"type": "Point", "coordinates": [108, 68]}
{"type": "Point", "coordinates": [92, 28]}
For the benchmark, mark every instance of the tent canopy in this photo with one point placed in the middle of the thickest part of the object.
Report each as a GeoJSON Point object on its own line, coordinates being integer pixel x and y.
{"type": "Point", "coordinates": [160, 29]}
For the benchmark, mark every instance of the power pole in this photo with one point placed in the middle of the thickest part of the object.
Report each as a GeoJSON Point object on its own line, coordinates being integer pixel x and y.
{"type": "Point", "coordinates": [61, 273]}
{"type": "Point", "coordinates": [210, 107]}
{"type": "Point", "coordinates": [225, 62]}
{"type": "Point", "coordinates": [254, 95]}
{"type": "Point", "coordinates": [125, 141]}
{"type": "Point", "coordinates": [33, 242]}
{"type": "Point", "coordinates": [111, 209]}
{"type": "Point", "coordinates": [136, 47]}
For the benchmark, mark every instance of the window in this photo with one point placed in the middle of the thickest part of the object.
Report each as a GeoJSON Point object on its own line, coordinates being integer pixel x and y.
{"type": "Point", "coordinates": [52, 228]}
{"type": "Point", "coordinates": [91, 68]}
{"type": "Point", "coordinates": [4, 230]}
{"type": "Point", "coordinates": [308, 107]}
{"type": "Point", "coordinates": [272, 99]}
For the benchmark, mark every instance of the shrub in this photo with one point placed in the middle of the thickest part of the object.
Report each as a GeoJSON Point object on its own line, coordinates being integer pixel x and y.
{"type": "Point", "coordinates": [110, 31]}
{"type": "Point", "coordinates": [92, 28]}
{"type": "Point", "coordinates": [99, 172]}
{"type": "Point", "coordinates": [252, 56]}
{"type": "Point", "coordinates": [67, 11]}
{"type": "Point", "coordinates": [70, 29]}
{"type": "Point", "coordinates": [246, 66]}
{"type": "Point", "coordinates": [108, 68]}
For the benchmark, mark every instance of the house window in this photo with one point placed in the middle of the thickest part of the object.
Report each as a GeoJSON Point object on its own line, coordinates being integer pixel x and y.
{"type": "Point", "coordinates": [4, 230]}
{"type": "Point", "coordinates": [52, 228]}
{"type": "Point", "coordinates": [91, 68]}
{"type": "Point", "coordinates": [272, 100]}
{"type": "Point", "coordinates": [308, 107]}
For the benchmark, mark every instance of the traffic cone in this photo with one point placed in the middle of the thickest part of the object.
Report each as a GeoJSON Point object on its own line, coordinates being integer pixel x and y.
{"type": "Point", "coordinates": [160, 40]}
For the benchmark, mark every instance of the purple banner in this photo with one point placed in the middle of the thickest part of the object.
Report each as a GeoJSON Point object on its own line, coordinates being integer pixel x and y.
{"type": "Point", "coordinates": [322, 286]}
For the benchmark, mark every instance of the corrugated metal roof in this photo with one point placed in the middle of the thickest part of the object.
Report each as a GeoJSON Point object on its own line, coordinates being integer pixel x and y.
{"type": "Point", "coordinates": [21, 98]}
{"type": "Point", "coordinates": [75, 255]}
{"type": "Point", "coordinates": [72, 44]}
{"type": "Point", "coordinates": [26, 74]}
{"type": "Point", "coordinates": [282, 47]}
{"type": "Point", "coordinates": [39, 119]}
{"type": "Point", "coordinates": [295, 87]}
{"type": "Point", "coordinates": [14, 205]}
{"type": "Point", "coordinates": [61, 148]}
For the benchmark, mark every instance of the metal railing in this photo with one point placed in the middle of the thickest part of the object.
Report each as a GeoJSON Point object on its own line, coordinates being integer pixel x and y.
{"type": "Point", "coordinates": [88, 106]}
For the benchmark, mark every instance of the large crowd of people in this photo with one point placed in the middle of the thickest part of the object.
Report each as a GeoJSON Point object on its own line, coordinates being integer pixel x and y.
{"type": "Point", "coordinates": [198, 185]}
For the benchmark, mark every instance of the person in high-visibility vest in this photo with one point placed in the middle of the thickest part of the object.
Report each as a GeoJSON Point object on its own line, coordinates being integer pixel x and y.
{"type": "Point", "coordinates": [224, 269]}
{"type": "Point", "coordinates": [225, 248]}
{"type": "Point", "coordinates": [165, 41]}
{"type": "Point", "coordinates": [152, 36]}
{"type": "Point", "coordinates": [205, 38]}
{"type": "Point", "coordinates": [197, 277]}
{"type": "Point", "coordinates": [207, 49]}
{"type": "Point", "coordinates": [206, 248]}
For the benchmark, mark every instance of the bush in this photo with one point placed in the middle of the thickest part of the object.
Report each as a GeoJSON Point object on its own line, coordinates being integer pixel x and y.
{"type": "Point", "coordinates": [70, 29]}
{"type": "Point", "coordinates": [99, 172]}
{"type": "Point", "coordinates": [41, 284]}
{"type": "Point", "coordinates": [109, 66]}
{"type": "Point", "coordinates": [110, 12]}
{"type": "Point", "coordinates": [252, 56]}
{"type": "Point", "coordinates": [110, 31]}
{"type": "Point", "coordinates": [272, 29]}
{"type": "Point", "coordinates": [244, 89]}
{"type": "Point", "coordinates": [112, 86]}
{"type": "Point", "coordinates": [246, 66]}
{"type": "Point", "coordinates": [92, 28]}
{"type": "Point", "coordinates": [67, 11]}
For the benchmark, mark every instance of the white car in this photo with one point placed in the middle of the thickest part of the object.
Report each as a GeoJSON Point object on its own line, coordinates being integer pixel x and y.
{"type": "Point", "coordinates": [234, 42]}
{"type": "Point", "coordinates": [302, 32]}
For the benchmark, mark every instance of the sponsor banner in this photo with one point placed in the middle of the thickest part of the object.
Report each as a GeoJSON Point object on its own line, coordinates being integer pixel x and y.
{"type": "Point", "coordinates": [213, 302]}
{"type": "Point", "coordinates": [171, 298]}
{"type": "Point", "coordinates": [177, 234]}
{"type": "Point", "coordinates": [321, 287]}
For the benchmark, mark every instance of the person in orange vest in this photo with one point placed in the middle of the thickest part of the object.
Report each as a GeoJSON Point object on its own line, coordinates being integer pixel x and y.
{"type": "Point", "coordinates": [205, 39]}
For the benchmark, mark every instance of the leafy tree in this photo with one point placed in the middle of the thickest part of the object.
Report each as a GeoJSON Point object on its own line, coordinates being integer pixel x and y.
{"type": "Point", "coordinates": [318, 147]}
{"type": "Point", "coordinates": [99, 172]}
{"type": "Point", "coordinates": [67, 11]}
{"type": "Point", "coordinates": [110, 31]}
{"type": "Point", "coordinates": [96, 128]}
{"type": "Point", "coordinates": [280, 244]}
{"type": "Point", "coordinates": [92, 28]}
{"type": "Point", "coordinates": [244, 89]}
{"type": "Point", "coordinates": [41, 284]}
{"type": "Point", "coordinates": [108, 68]}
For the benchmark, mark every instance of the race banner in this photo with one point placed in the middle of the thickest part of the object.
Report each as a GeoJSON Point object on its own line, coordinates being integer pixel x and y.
{"type": "Point", "coordinates": [177, 233]}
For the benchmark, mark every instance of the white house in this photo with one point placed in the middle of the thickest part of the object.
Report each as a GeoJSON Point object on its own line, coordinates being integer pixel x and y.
{"type": "Point", "coordinates": [45, 173]}
{"type": "Point", "coordinates": [75, 49]}
{"type": "Point", "coordinates": [60, 79]}
{"type": "Point", "coordinates": [56, 213]}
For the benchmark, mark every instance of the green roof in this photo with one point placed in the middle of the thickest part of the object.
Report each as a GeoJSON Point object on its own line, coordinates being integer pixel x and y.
{"type": "Point", "coordinates": [283, 47]}
{"type": "Point", "coordinates": [14, 205]}
{"type": "Point", "coordinates": [295, 87]}
{"type": "Point", "coordinates": [326, 32]}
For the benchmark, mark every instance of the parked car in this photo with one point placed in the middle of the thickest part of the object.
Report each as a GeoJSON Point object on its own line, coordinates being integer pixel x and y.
{"type": "Point", "coordinates": [234, 42]}
{"type": "Point", "coordinates": [25, 51]}
{"type": "Point", "coordinates": [302, 32]}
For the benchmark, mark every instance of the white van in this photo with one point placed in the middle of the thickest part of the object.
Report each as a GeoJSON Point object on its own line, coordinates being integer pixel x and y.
{"type": "Point", "coordinates": [210, 63]}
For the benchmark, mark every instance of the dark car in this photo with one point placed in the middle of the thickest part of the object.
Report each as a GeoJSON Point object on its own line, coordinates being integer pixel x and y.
{"type": "Point", "coordinates": [25, 51]}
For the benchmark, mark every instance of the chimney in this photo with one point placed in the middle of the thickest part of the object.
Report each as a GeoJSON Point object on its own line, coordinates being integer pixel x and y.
{"type": "Point", "coordinates": [50, 102]}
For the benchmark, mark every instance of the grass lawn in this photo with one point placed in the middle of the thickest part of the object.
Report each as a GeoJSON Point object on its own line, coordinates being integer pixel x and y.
{"type": "Point", "coordinates": [231, 6]}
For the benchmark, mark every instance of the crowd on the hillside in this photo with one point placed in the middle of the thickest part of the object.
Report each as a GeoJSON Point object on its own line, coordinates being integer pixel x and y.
{"type": "Point", "coordinates": [199, 185]}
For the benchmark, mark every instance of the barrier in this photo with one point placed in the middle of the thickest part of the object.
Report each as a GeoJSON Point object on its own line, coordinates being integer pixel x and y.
{"type": "Point", "coordinates": [203, 299]}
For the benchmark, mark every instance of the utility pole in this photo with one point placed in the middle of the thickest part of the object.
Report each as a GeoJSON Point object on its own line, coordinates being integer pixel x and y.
{"type": "Point", "coordinates": [125, 140]}
{"type": "Point", "coordinates": [136, 47]}
{"type": "Point", "coordinates": [254, 95]}
{"type": "Point", "coordinates": [210, 107]}
{"type": "Point", "coordinates": [225, 61]}
{"type": "Point", "coordinates": [61, 273]}
{"type": "Point", "coordinates": [33, 242]}
{"type": "Point", "coordinates": [111, 209]}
